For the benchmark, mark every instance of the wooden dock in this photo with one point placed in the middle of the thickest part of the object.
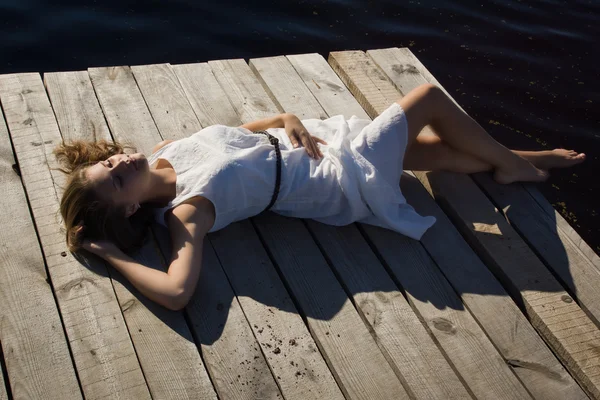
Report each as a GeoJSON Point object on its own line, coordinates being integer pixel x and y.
{"type": "Point", "coordinates": [499, 300]}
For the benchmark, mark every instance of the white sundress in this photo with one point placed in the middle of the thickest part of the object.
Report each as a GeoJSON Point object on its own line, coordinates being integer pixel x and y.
{"type": "Point", "coordinates": [356, 180]}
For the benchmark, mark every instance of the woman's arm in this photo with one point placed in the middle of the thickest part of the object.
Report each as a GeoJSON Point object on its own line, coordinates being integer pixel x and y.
{"type": "Point", "coordinates": [293, 128]}
{"type": "Point", "coordinates": [188, 224]}
{"type": "Point", "coordinates": [277, 121]}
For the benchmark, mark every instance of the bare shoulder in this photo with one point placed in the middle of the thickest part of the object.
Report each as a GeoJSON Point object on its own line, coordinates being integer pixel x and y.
{"type": "Point", "coordinates": [161, 145]}
{"type": "Point", "coordinates": [194, 216]}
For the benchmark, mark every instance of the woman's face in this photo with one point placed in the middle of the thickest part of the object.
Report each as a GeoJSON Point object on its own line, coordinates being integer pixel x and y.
{"type": "Point", "coordinates": [121, 179]}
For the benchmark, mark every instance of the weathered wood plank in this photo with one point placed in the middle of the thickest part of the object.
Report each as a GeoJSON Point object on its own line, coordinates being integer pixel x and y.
{"type": "Point", "coordinates": [387, 59]}
{"type": "Point", "coordinates": [406, 61]}
{"type": "Point", "coordinates": [563, 225]}
{"type": "Point", "coordinates": [289, 349]}
{"type": "Point", "coordinates": [232, 355]}
{"type": "Point", "coordinates": [33, 341]}
{"type": "Point", "coordinates": [397, 330]}
{"type": "Point", "coordinates": [513, 335]}
{"type": "Point", "coordinates": [164, 345]}
{"type": "Point", "coordinates": [358, 60]}
{"type": "Point", "coordinates": [86, 287]}
{"type": "Point", "coordinates": [522, 273]}
{"type": "Point", "coordinates": [254, 375]}
{"type": "Point", "coordinates": [273, 73]}
{"type": "Point", "coordinates": [524, 214]}
{"type": "Point", "coordinates": [166, 101]}
{"type": "Point", "coordinates": [358, 365]}
{"type": "Point", "coordinates": [327, 88]}
{"type": "Point", "coordinates": [204, 93]}
{"type": "Point", "coordinates": [467, 362]}
{"type": "Point", "coordinates": [118, 93]}
{"type": "Point", "coordinates": [3, 385]}
{"type": "Point", "coordinates": [552, 245]}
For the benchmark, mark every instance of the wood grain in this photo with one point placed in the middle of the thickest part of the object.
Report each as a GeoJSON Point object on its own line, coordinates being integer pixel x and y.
{"type": "Point", "coordinates": [32, 337]}
{"type": "Point", "coordinates": [358, 366]}
{"type": "Point", "coordinates": [327, 88]}
{"type": "Point", "coordinates": [163, 342]}
{"type": "Point", "coordinates": [92, 318]}
{"type": "Point", "coordinates": [299, 368]}
{"type": "Point", "coordinates": [401, 337]}
{"type": "Point", "coordinates": [231, 354]}
{"type": "Point", "coordinates": [475, 303]}
{"type": "Point", "coordinates": [524, 215]}
{"type": "Point", "coordinates": [537, 227]}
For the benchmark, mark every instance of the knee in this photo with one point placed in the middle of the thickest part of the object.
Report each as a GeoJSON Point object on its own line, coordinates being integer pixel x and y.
{"type": "Point", "coordinates": [430, 91]}
{"type": "Point", "coordinates": [428, 94]}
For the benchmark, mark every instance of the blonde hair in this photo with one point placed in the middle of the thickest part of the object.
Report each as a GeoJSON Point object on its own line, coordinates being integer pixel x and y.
{"type": "Point", "coordinates": [84, 214]}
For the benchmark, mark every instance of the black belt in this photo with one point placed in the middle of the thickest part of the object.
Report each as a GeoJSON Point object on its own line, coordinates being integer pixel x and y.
{"type": "Point", "coordinates": [275, 142]}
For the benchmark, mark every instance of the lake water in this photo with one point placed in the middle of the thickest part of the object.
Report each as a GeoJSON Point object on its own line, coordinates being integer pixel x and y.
{"type": "Point", "coordinates": [527, 73]}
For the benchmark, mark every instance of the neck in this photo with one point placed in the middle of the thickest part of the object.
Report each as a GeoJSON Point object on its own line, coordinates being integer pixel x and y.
{"type": "Point", "coordinates": [161, 186]}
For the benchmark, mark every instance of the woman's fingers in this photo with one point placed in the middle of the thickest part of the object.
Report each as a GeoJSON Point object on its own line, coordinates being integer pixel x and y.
{"type": "Point", "coordinates": [311, 146]}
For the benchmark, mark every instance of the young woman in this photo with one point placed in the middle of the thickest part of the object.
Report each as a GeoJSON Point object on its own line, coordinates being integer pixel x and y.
{"type": "Point", "coordinates": [349, 171]}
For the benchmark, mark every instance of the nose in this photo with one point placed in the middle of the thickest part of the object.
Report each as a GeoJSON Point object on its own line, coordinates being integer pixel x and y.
{"type": "Point", "coordinates": [122, 159]}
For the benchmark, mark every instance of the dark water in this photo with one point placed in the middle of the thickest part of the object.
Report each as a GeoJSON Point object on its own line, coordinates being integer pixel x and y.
{"type": "Point", "coordinates": [527, 73]}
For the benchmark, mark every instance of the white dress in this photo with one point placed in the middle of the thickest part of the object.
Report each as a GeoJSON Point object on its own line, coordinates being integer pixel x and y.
{"type": "Point", "coordinates": [356, 180]}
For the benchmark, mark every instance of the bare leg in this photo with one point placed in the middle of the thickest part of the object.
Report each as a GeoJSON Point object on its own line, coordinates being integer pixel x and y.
{"type": "Point", "coordinates": [428, 105]}
{"type": "Point", "coordinates": [430, 153]}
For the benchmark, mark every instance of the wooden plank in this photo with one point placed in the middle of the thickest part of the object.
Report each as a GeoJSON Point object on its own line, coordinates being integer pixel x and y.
{"type": "Point", "coordinates": [3, 385]}
{"type": "Point", "coordinates": [291, 353]}
{"type": "Point", "coordinates": [233, 357]}
{"type": "Point", "coordinates": [553, 246]}
{"type": "Point", "coordinates": [288, 346]}
{"type": "Point", "coordinates": [299, 100]}
{"type": "Point", "coordinates": [124, 107]}
{"type": "Point", "coordinates": [524, 214]}
{"type": "Point", "coordinates": [163, 343]}
{"type": "Point", "coordinates": [513, 335]}
{"type": "Point", "coordinates": [327, 88]}
{"type": "Point", "coordinates": [33, 130]}
{"type": "Point", "coordinates": [397, 330]}
{"type": "Point", "coordinates": [354, 58]}
{"type": "Point", "coordinates": [563, 225]}
{"type": "Point", "coordinates": [356, 362]}
{"type": "Point", "coordinates": [467, 363]}
{"type": "Point", "coordinates": [256, 376]}
{"type": "Point", "coordinates": [387, 59]}
{"type": "Point", "coordinates": [405, 60]}
{"type": "Point", "coordinates": [166, 101]}
{"type": "Point", "coordinates": [522, 273]}
{"type": "Point", "coordinates": [33, 341]}
{"type": "Point", "coordinates": [204, 93]}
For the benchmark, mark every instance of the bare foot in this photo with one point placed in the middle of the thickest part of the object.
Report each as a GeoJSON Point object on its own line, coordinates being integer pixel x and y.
{"type": "Point", "coordinates": [526, 172]}
{"type": "Point", "coordinates": [557, 158]}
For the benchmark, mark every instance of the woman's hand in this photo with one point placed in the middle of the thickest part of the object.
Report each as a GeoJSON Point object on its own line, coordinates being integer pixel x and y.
{"type": "Point", "coordinates": [298, 134]}
{"type": "Point", "coordinates": [101, 248]}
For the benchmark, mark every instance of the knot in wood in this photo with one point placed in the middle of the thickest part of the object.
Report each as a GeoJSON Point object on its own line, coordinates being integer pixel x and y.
{"type": "Point", "coordinates": [442, 324]}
